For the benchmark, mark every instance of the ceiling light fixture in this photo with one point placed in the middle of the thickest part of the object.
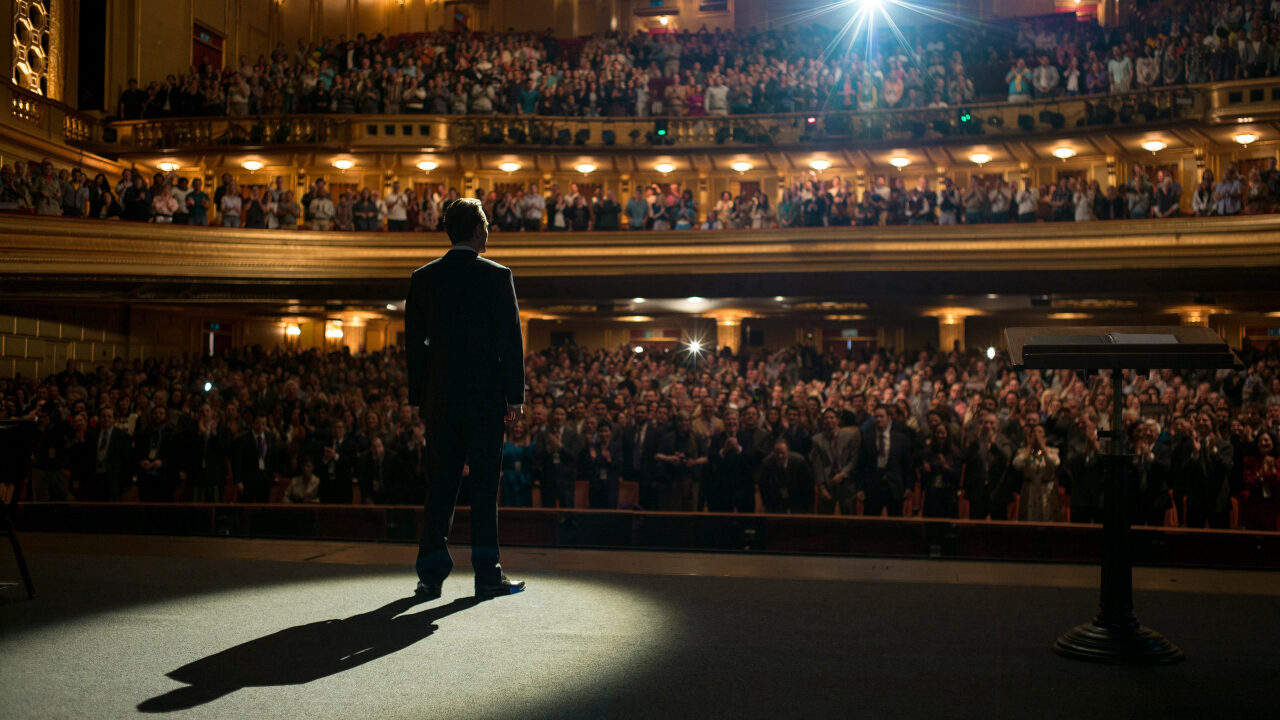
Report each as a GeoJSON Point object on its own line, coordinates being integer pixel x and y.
{"type": "Point", "coordinates": [1064, 153]}
{"type": "Point", "coordinates": [428, 165]}
{"type": "Point", "coordinates": [168, 166]}
{"type": "Point", "coordinates": [251, 165]}
{"type": "Point", "coordinates": [1154, 146]}
{"type": "Point", "coordinates": [819, 164]}
{"type": "Point", "coordinates": [664, 167]}
{"type": "Point", "coordinates": [980, 158]}
{"type": "Point", "coordinates": [509, 167]}
{"type": "Point", "coordinates": [1245, 138]}
{"type": "Point", "coordinates": [585, 168]}
{"type": "Point", "coordinates": [899, 161]}
{"type": "Point", "coordinates": [343, 164]}
{"type": "Point", "coordinates": [741, 166]}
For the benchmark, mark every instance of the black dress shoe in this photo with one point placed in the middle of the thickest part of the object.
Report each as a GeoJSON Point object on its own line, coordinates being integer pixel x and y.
{"type": "Point", "coordinates": [427, 592]}
{"type": "Point", "coordinates": [502, 586]}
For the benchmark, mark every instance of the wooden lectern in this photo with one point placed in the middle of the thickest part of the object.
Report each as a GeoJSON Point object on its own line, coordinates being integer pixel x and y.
{"type": "Point", "coordinates": [1115, 636]}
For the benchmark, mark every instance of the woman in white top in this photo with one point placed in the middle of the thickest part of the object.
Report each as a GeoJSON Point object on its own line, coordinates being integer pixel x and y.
{"type": "Point", "coordinates": [304, 488]}
{"type": "Point", "coordinates": [231, 205]}
{"type": "Point", "coordinates": [1027, 201]}
{"type": "Point", "coordinates": [1083, 197]}
{"type": "Point", "coordinates": [164, 205]}
{"type": "Point", "coordinates": [1038, 462]}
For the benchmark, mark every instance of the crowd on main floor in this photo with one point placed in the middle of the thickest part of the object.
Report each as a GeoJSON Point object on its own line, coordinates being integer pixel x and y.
{"type": "Point", "coordinates": [789, 431]}
{"type": "Point", "coordinates": [786, 68]}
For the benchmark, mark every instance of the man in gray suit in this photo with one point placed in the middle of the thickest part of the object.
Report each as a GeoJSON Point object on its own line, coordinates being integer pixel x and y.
{"type": "Point", "coordinates": [466, 376]}
{"type": "Point", "coordinates": [833, 456]}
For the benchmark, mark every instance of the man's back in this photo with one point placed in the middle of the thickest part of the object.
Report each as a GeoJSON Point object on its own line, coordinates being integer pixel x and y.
{"type": "Point", "coordinates": [462, 330]}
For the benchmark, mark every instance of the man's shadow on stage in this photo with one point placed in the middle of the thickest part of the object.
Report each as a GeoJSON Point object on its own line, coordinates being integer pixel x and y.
{"type": "Point", "coordinates": [303, 653]}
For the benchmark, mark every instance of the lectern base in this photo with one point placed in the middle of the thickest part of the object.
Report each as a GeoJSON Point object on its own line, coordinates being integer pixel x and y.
{"type": "Point", "coordinates": [1135, 645]}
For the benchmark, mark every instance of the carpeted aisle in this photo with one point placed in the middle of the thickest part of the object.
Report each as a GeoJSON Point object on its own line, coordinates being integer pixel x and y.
{"type": "Point", "coordinates": [115, 635]}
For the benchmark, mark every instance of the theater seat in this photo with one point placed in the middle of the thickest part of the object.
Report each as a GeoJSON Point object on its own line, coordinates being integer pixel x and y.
{"type": "Point", "coordinates": [1064, 504]}
{"type": "Point", "coordinates": [1012, 508]}
{"type": "Point", "coordinates": [581, 494]}
{"type": "Point", "coordinates": [1235, 514]}
{"type": "Point", "coordinates": [962, 506]}
{"type": "Point", "coordinates": [628, 493]}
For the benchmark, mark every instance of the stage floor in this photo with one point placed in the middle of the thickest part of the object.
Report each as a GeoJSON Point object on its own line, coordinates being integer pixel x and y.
{"type": "Point", "coordinates": [220, 628]}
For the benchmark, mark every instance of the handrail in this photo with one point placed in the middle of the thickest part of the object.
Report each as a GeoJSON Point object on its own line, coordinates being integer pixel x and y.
{"type": "Point", "coordinates": [35, 246]}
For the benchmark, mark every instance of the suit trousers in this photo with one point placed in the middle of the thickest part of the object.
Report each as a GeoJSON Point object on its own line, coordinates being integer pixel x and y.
{"type": "Point", "coordinates": [456, 437]}
{"type": "Point", "coordinates": [879, 498]}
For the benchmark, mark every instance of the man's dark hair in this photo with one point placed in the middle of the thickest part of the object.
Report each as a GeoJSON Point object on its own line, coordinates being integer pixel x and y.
{"type": "Point", "coordinates": [461, 218]}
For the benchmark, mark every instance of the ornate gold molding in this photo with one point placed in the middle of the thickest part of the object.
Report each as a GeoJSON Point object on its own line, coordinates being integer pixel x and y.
{"type": "Point", "coordinates": [75, 248]}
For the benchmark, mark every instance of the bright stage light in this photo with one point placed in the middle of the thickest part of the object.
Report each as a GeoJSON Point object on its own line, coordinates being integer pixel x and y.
{"type": "Point", "coordinates": [638, 349]}
{"type": "Point", "coordinates": [292, 330]}
{"type": "Point", "coordinates": [695, 300]}
{"type": "Point", "coordinates": [695, 346]}
{"type": "Point", "coordinates": [991, 353]}
{"type": "Point", "coordinates": [208, 386]}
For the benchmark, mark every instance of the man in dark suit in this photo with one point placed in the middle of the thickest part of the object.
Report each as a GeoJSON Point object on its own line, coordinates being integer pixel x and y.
{"type": "Point", "coordinates": [639, 443]}
{"type": "Point", "coordinates": [555, 457]}
{"type": "Point", "coordinates": [986, 466]}
{"type": "Point", "coordinates": [1083, 474]}
{"type": "Point", "coordinates": [156, 454]}
{"type": "Point", "coordinates": [336, 465]}
{"type": "Point", "coordinates": [379, 475]}
{"type": "Point", "coordinates": [735, 463]}
{"type": "Point", "coordinates": [786, 481]}
{"type": "Point", "coordinates": [466, 375]}
{"type": "Point", "coordinates": [257, 458]}
{"type": "Point", "coordinates": [885, 470]}
{"type": "Point", "coordinates": [113, 449]}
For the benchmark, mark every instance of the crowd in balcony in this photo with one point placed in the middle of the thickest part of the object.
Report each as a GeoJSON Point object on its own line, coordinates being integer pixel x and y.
{"type": "Point", "coordinates": [710, 73]}
{"type": "Point", "coordinates": [942, 434]}
{"type": "Point", "coordinates": [816, 202]}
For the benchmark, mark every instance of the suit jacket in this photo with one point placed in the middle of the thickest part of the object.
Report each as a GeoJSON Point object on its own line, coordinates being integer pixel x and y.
{"type": "Point", "coordinates": [637, 457]}
{"type": "Point", "coordinates": [789, 487]}
{"type": "Point", "coordinates": [986, 481]}
{"type": "Point", "coordinates": [246, 463]}
{"type": "Point", "coordinates": [898, 474]}
{"type": "Point", "coordinates": [336, 476]}
{"type": "Point", "coordinates": [119, 451]}
{"type": "Point", "coordinates": [380, 485]}
{"type": "Point", "coordinates": [828, 458]}
{"type": "Point", "coordinates": [168, 450]}
{"type": "Point", "coordinates": [557, 466]}
{"type": "Point", "coordinates": [462, 335]}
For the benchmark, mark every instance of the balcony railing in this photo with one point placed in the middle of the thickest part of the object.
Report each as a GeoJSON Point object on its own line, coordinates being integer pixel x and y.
{"type": "Point", "coordinates": [1209, 103]}
{"type": "Point", "coordinates": [38, 115]}
{"type": "Point", "coordinates": [39, 247]}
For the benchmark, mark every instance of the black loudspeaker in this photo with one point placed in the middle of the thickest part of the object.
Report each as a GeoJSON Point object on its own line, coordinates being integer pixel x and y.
{"type": "Point", "coordinates": [1026, 122]}
{"type": "Point", "coordinates": [942, 127]}
{"type": "Point", "coordinates": [609, 137]}
{"type": "Point", "coordinates": [740, 135]}
{"type": "Point", "coordinates": [634, 135]}
{"type": "Point", "coordinates": [838, 124]}
{"type": "Point", "coordinates": [1147, 110]}
{"type": "Point", "coordinates": [563, 137]}
{"type": "Point", "coordinates": [516, 134]}
{"type": "Point", "coordinates": [581, 137]}
{"type": "Point", "coordinates": [722, 135]}
{"type": "Point", "coordinates": [916, 128]}
{"type": "Point", "coordinates": [1054, 120]}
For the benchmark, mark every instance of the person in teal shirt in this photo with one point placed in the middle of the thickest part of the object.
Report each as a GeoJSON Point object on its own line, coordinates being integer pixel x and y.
{"type": "Point", "coordinates": [197, 204]}
{"type": "Point", "coordinates": [516, 482]}
{"type": "Point", "coordinates": [637, 212]}
{"type": "Point", "coordinates": [1019, 79]}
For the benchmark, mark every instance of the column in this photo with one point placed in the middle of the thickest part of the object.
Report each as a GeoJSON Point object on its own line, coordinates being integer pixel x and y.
{"type": "Point", "coordinates": [951, 326]}
{"type": "Point", "coordinates": [728, 328]}
{"type": "Point", "coordinates": [524, 330]}
{"type": "Point", "coordinates": [1194, 315]}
